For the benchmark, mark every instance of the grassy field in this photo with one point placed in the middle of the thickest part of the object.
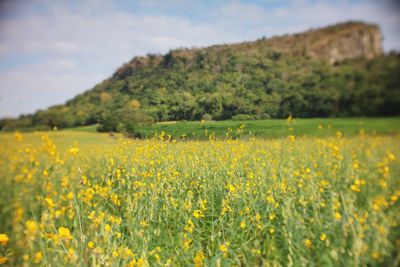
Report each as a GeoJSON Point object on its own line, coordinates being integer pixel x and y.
{"type": "Point", "coordinates": [271, 128]}
{"type": "Point", "coordinates": [78, 198]}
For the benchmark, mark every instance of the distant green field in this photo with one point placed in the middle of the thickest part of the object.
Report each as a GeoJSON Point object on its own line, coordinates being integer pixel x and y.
{"type": "Point", "coordinates": [272, 128]}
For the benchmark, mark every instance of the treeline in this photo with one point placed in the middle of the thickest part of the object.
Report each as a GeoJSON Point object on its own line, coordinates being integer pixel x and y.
{"type": "Point", "coordinates": [226, 82]}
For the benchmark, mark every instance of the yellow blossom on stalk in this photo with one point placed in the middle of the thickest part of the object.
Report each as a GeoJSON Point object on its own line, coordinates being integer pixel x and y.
{"type": "Point", "coordinates": [189, 226]}
{"type": "Point", "coordinates": [25, 257]}
{"type": "Point", "coordinates": [57, 213]}
{"type": "Point", "coordinates": [338, 217]}
{"type": "Point", "coordinates": [115, 199]}
{"type": "Point", "coordinates": [243, 224]}
{"type": "Point", "coordinates": [186, 243]}
{"type": "Point", "coordinates": [18, 136]}
{"type": "Point", "coordinates": [230, 188]}
{"type": "Point", "coordinates": [291, 138]}
{"type": "Point", "coordinates": [64, 233]}
{"type": "Point", "coordinates": [224, 248]}
{"type": "Point", "coordinates": [144, 223]}
{"type": "Point", "coordinates": [271, 216]}
{"type": "Point", "coordinates": [30, 227]}
{"type": "Point", "coordinates": [270, 199]}
{"type": "Point", "coordinates": [74, 151]}
{"type": "Point", "coordinates": [322, 237]}
{"type": "Point", "coordinates": [49, 202]}
{"type": "Point", "coordinates": [70, 196]}
{"type": "Point", "coordinates": [38, 257]}
{"type": "Point", "coordinates": [3, 239]}
{"type": "Point", "coordinates": [90, 244]}
{"type": "Point", "coordinates": [198, 259]}
{"type": "Point", "coordinates": [308, 243]}
{"type": "Point", "coordinates": [375, 255]}
{"type": "Point", "coordinates": [379, 202]}
{"type": "Point", "coordinates": [355, 188]}
{"type": "Point", "coordinates": [289, 119]}
{"type": "Point", "coordinates": [71, 253]}
{"type": "Point", "coordinates": [107, 228]}
{"type": "Point", "coordinates": [3, 259]}
{"type": "Point", "coordinates": [198, 214]}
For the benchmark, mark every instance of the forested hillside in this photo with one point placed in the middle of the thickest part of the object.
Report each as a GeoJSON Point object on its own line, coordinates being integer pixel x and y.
{"type": "Point", "coordinates": [331, 72]}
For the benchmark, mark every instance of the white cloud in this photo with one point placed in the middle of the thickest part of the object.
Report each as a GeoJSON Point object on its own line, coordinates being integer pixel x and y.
{"type": "Point", "coordinates": [40, 85]}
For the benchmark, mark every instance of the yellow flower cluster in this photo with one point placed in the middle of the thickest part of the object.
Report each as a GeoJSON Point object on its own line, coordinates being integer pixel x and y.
{"type": "Point", "coordinates": [84, 199]}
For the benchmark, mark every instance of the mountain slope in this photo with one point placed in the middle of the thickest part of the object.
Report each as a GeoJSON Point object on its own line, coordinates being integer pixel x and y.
{"type": "Point", "coordinates": [334, 71]}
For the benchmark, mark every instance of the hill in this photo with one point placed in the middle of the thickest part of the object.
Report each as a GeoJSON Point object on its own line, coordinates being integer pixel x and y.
{"type": "Point", "coordinates": [335, 71]}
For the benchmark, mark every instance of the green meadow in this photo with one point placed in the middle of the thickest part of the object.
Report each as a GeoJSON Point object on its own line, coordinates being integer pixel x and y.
{"type": "Point", "coordinates": [268, 128]}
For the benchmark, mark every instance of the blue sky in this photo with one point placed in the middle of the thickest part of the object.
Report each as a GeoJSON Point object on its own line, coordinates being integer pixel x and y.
{"type": "Point", "coordinates": [51, 50]}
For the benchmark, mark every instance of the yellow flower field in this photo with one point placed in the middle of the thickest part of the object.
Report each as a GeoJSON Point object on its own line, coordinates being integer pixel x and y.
{"type": "Point", "coordinates": [86, 199]}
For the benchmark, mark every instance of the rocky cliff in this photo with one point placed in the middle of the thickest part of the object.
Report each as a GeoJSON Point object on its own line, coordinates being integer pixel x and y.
{"type": "Point", "coordinates": [334, 43]}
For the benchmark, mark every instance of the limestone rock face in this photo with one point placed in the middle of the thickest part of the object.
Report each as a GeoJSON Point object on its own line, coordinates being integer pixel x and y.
{"type": "Point", "coordinates": [360, 41]}
{"type": "Point", "coordinates": [334, 43]}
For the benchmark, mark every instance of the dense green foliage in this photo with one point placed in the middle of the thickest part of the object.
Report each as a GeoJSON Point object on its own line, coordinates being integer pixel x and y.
{"type": "Point", "coordinates": [254, 80]}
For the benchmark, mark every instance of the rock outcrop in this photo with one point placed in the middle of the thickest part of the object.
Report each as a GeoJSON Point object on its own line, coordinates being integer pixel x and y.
{"type": "Point", "coordinates": [334, 43]}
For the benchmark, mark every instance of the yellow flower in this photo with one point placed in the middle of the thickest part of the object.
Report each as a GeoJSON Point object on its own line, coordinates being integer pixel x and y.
{"type": "Point", "coordinates": [308, 243]}
{"type": "Point", "coordinates": [71, 253]}
{"type": "Point", "coordinates": [338, 216]}
{"type": "Point", "coordinates": [189, 226]}
{"type": "Point", "coordinates": [3, 259]}
{"type": "Point", "coordinates": [31, 228]}
{"type": "Point", "coordinates": [90, 245]}
{"type": "Point", "coordinates": [18, 136]}
{"type": "Point", "coordinates": [198, 214]}
{"type": "Point", "coordinates": [186, 243]}
{"type": "Point", "coordinates": [243, 224]}
{"type": "Point", "coordinates": [38, 257]}
{"type": "Point", "coordinates": [70, 195]}
{"type": "Point", "coordinates": [198, 259]}
{"type": "Point", "coordinates": [144, 223]}
{"type": "Point", "coordinates": [231, 188]}
{"type": "Point", "coordinates": [74, 151]}
{"type": "Point", "coordinates": [322, 237]}
{"type": "Point", "coordinates": [375, 255]}
{"type": "Point", "coordinates": [107, 228]}
{"type": "Point", "coordinates": [355, 188]}
{"type": "Point", "coordinates": [272, 216]}
{"type": "Point", "coordinates": [49, 202]}
{"type": "Point", "coordinates": [64, 233]}
{"type": "Point", "coordinates": [3, 239]}
{"type": "Point", "coordinates": [224, 248]}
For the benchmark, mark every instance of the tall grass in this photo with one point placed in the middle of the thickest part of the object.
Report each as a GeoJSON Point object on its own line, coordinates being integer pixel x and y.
{"type": "Point", "coordinates": [317, 201]}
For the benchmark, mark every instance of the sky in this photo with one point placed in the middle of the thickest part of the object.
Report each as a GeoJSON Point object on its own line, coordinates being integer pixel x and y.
{"type": "Point", "coordinates": [52, 50]}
